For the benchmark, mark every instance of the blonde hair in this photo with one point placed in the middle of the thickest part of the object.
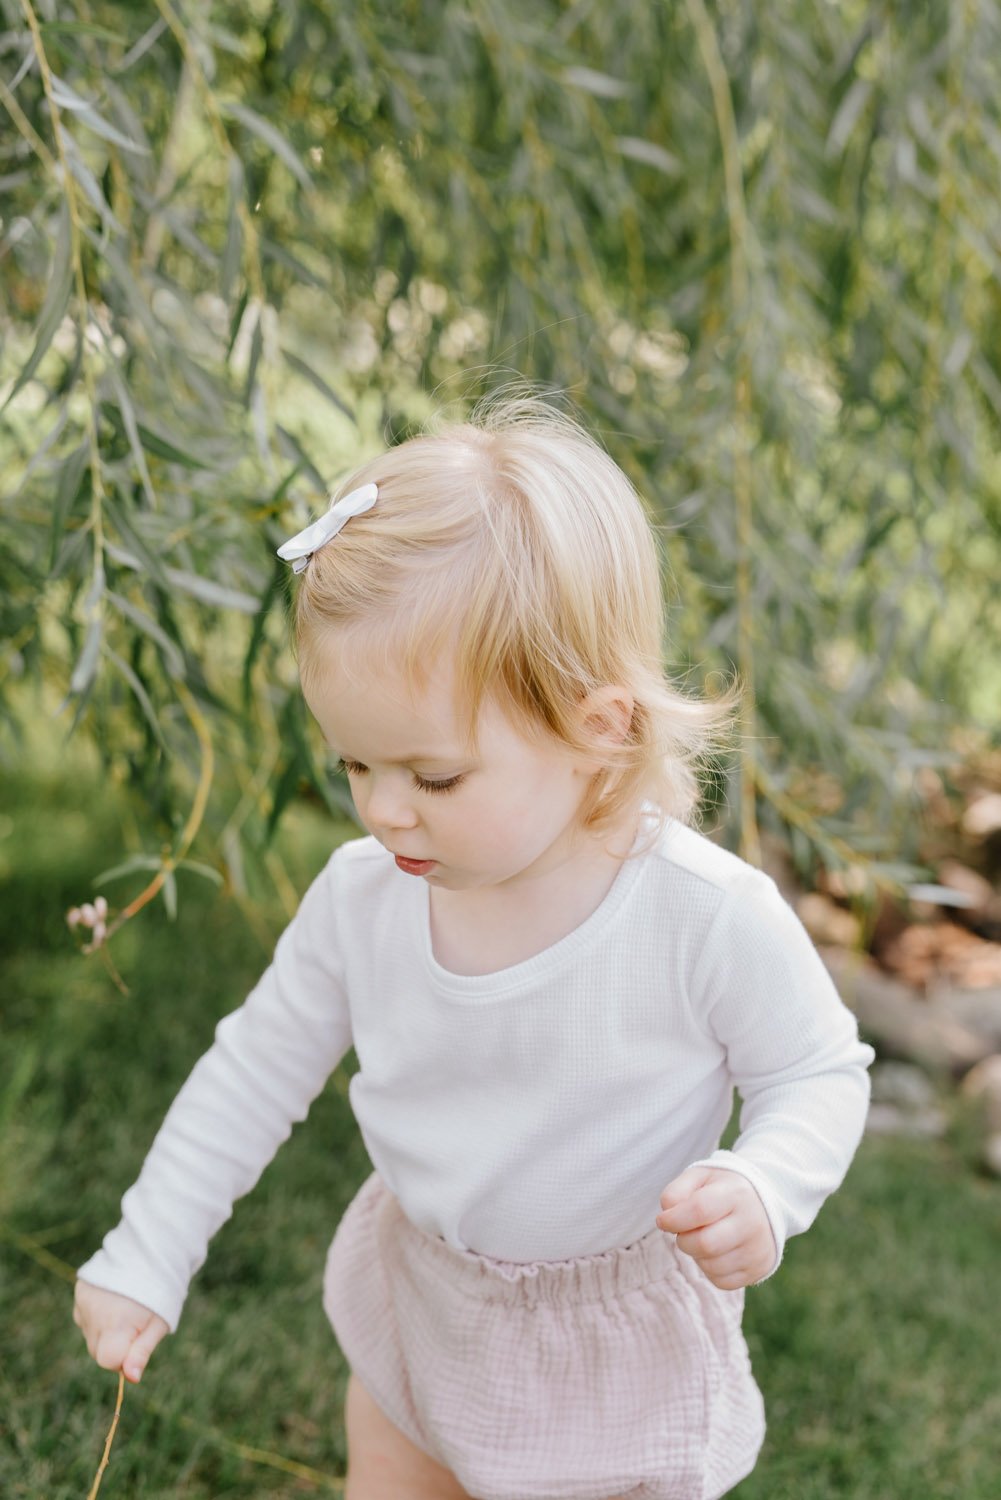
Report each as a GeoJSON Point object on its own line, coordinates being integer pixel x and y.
{"type": "Point", "coordinates": [513, 538]}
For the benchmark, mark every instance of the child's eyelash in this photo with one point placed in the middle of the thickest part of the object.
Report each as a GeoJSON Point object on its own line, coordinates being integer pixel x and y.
{"type": "Point", "coordinates": [352, 768]}
{"type": "Point", "coordinates": [436, 786]}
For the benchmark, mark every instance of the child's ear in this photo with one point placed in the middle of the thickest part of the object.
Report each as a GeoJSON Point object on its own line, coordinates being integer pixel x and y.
{"type": "Point", "coordinates": [608, 713]}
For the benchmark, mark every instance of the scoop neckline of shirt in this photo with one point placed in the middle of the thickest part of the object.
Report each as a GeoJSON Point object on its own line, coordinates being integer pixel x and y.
{"type": "Point", "coordinates": [500, 981]}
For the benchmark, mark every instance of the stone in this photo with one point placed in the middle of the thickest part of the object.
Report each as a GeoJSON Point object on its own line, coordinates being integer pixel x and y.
{"type": "Point", "coordinates": [929, 953]}
{"type": "Point", "coordinates": [776, 861]}
{"type": "Point", "coordinates": [970, 883]}
{"type": "Point", "coordinates": [983, 815]}
{"type": "Point", "coordinates": [900, 1021]}
{"type": "Point", "coordinates": [980, 1010]}
{"type": "Point", "coordinates": [992, 1154]}
{"type": "Point", "coordinates": [826, 922]}
{"type": "Point", "coordinates": [902, 1084]}
{"type": "Point", "coordinates": [983, 1082]}
{"type": "Point", "coordinates": [892, 1119]}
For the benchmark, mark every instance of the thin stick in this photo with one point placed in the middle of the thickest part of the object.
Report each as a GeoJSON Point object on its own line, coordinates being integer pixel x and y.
{"type": "Point", "coordinates": [61, 1268]}
{"type": "Point", "coordinates": [262, 1456]}
{"type": "Point", "coordinates": [107, 1446]}
{"type": "Point", "coordinates": [38, 1253]}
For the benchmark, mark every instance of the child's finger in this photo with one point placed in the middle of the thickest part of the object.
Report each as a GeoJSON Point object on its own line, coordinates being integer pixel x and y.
{"type": "Point", "coordinates": [684, 1186]}
{"type": "Point", "coordinates": [142, 1347]}
{"type": "Point", "coordinates": [110, 1347]}
{"type": "Point", "coordinates": [742, 1264]}
{"type": "Point", "coordinates": [705, 1202]}
{"type": "Point", "coordinates": [710, 1241]}
{"type": "Point", "coordinates": [728, 1273]}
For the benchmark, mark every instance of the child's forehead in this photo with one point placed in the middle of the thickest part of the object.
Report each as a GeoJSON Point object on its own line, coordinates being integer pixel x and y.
{"type": "Point", "coordinates": [362, 694]}
{"type": "Point", "coordinates": [358, 693]}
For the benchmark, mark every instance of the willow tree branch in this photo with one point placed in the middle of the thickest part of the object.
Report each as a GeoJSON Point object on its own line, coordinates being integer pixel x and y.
{"type": "Point", "coordinates": [214, 119]}
{"type": "Point", "coordinates": [76, 254]}
{"type": "Point", "coordinates": [169, 164]}
{"type": "Point", "coordinates": [736, 209]}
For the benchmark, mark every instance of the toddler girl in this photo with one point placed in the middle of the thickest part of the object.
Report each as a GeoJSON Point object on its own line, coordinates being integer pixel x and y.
{"type": "Point", "coordinates": [552, 982]}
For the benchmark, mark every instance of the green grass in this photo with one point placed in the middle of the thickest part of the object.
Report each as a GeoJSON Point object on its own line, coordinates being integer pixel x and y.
{"type": "Point", "coordinates": [876, 1344]}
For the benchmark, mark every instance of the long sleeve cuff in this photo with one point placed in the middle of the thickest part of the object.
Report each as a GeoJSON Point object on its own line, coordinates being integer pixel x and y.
{"type": "Point", "coordinates": [121, 1266]}
{"type": "Point", "coordinates": [731, 1162]}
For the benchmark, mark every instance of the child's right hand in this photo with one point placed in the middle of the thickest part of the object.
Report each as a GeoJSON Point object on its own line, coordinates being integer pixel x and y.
{"type": "Point", "coordinates": [121, 1334]}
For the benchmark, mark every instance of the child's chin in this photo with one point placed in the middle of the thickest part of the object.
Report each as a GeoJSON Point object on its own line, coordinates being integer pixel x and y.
{"type": "Point", "coordinates": [452, 880]}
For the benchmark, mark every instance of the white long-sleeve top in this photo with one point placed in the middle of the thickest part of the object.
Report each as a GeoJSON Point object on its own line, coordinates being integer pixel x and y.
{"type": "Point", "coordinates": [535, 1113]}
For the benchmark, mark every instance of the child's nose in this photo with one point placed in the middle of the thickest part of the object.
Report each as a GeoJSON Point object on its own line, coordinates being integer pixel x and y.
{"type": "Point", "coordinates": [390, 804]}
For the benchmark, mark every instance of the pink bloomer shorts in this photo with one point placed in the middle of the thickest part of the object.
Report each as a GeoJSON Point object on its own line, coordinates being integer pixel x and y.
{"type": "Point", "coordinates": [619, 1374]}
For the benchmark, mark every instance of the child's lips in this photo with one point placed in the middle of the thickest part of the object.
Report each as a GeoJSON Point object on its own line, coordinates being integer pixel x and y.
{"type": "Point", "coordinates": [413, 866]}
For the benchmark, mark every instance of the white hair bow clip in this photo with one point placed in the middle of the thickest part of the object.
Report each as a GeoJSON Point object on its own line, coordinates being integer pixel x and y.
{"type": "Point", "coordinates": [300, 548]}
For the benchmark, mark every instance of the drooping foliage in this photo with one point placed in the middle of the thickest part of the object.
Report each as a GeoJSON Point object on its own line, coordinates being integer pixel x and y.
{"type": "Point", "coordinates": [759, 247]}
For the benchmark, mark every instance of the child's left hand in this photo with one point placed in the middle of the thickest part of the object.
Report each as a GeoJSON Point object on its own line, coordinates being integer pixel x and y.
{"type": "Point", "coordinates": [721, 1223]}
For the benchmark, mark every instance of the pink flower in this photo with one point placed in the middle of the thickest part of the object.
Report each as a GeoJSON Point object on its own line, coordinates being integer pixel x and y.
{"type": "Point", "coordinates": [93, 915]}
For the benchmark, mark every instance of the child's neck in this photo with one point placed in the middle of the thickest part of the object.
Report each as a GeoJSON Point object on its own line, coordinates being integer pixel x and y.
{"type": "Point", "coordinates": [487, 928]}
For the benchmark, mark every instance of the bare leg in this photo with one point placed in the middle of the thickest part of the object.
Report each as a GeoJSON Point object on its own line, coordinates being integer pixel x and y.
{"type": "Point", "coordinates": [383, 1464]}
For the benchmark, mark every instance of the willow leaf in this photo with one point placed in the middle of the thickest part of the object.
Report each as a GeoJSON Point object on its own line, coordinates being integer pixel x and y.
{"type": "Point", "coordinates": [169, 893]}
{"type": "Point", "coordinates": [83, 672]}
{"type": "Point", "coordinates": [274, 590]}
{"type": "Point", "coordinates": [155, 442]}
{"type": "Point", "coordinates": [197, 868]}
{"type": "Point", "coordinates": [233, 250]}
{"type": "Point", "coordinates": [601, 85]}
{"type": "Point", "coordinates": [173, 658]}
{"type": "Point", "coordinates": [285, 789]}
{"type": "Point", "coordinates": [292, 448]}
{"type": "Point", "coordinates": [82, 109]}
{"type": "Point", "coordinates": [132, 429]}
{"type": "Point", "coordinates": [129, 867]}
{"type": "Point", "coordinates": [57, 298]}
{"type": "Point", "coordinates": [847, 116]}
{"type": "Point", "coordinates": [81, 28]}
{"type": "Point", "coordinates": [256, 349]}
{"type": "Point", "coordinates": [266, 132]}
{"type": "Point", "coordinates": [142, 46]}
{"type": "Point", "coordinates": [650, 153]}
{"type": "Point", "coordinates": [207, 591]}
{"type": "Point", "coordinates": [284, 257]}
{"type": "Point", "coordinates": [91, 187]}
{"type": "Point", "coordinates": [141, 696]}
{"type": "Point", "coordinates": [71, 473]}
{"type": "Point", "coordinates": [135, 541]}
{"type": "Point", "coordinates": [308, 373]}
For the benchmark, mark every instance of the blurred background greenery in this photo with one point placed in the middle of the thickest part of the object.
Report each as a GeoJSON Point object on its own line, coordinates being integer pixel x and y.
{"type": "Point", "coordinates": [243, 247]}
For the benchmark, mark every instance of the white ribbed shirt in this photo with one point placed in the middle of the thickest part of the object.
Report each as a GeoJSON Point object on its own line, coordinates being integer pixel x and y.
{"type": "Point", "coordinates": [534, 1113]}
